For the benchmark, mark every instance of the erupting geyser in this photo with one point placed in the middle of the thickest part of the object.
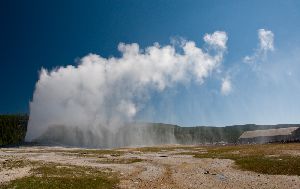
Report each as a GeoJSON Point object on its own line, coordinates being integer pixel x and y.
{"type": "Point", "coordinates": [90, 104]}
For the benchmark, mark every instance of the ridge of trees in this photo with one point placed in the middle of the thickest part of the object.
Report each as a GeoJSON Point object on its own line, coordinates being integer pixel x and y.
{"type": "Point", "coordinates": [13, 129]}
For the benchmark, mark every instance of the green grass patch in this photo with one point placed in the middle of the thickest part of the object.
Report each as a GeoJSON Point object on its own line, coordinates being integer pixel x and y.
{"type": "Point", "coordinates": [282, 165]}
{"type": "Point", "coordinates": [266, 159]}
{"type": "Point", "coordinates": [54, 176]}
{"type": "Point", "coordinates": [19, 163]}
{"type": "Point", "coordinates": [92, 153]}
{"type": "Point", "coordinates": [119, 161]}
{"type": "Point", "coordinates": [59, 183]}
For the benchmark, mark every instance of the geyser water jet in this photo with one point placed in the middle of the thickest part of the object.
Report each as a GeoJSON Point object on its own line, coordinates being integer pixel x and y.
{"type": "Point", "coordinates": [91, 103]}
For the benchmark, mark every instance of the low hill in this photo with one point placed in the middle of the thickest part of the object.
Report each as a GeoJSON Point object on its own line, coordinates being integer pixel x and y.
{"type": "Point", "coordinates": [228, 134]}
{"type": "Point", "coordinates": [13, 130]}
{"type": "Point", "coordinates": [161, 133]}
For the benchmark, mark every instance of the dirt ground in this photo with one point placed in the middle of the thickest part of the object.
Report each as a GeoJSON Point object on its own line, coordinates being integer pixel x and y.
{"type": "Point", "coordinates": [164, 169]}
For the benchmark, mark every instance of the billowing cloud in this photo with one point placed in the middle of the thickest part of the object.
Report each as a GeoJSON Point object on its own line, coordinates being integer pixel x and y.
{"type": "Point", "coordinates": [102, 93]}
{"type": "Point", "coordinates": [266, 39]}
{"type": "Point", "coordinates": [226, 86]}
{"type": "Point", "coordinates": [217, 40]}
{"type": "Point", "coordinates": [266, 44]}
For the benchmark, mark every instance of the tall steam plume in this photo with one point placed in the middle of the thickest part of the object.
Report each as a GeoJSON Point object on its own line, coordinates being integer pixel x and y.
{"type": "Point", "coordinates": [101, 94]}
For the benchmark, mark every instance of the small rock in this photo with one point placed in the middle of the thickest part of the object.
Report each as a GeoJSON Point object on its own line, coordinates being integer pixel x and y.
{"type": "Point", "coordinates": [221, 177]}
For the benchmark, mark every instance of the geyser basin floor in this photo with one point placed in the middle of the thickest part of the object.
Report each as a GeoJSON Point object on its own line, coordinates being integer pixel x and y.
{"type": "Point", "coordinates": [151, 167]}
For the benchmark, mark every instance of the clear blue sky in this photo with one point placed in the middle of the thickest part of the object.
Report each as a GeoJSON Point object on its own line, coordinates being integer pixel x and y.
{"type": "Point", "coordinates": [36, 34]}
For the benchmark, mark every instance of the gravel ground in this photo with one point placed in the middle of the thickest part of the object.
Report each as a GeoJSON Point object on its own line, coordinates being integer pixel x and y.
{"type": "Point", "coordinates": [156, 170]}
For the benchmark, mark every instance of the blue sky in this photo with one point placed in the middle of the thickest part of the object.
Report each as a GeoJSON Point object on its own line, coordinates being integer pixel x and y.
{"type": "Point", "coordinates": [36, 34]}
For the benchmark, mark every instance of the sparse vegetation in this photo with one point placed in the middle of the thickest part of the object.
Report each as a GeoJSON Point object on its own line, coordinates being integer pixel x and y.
{"type": "Point", "coordinates": [267, 158]}
{"type": "Point", "coordinates": [64, 177]}
{"type": "Point", "coordinates": [120, 161]}
{"type": "Point", "coordinates": [262, 158]}
{"type": "Point", "coordinates": [18, 163]}
{"type": "Point", "coordinates": [93, 153]}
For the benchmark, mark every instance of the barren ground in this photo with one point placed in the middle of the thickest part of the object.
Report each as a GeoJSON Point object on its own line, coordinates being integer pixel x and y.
{"type": "Point", "coordinates": [159, 167]}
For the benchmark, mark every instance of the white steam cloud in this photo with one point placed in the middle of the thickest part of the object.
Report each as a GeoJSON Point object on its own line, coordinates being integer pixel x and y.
{"type": "Point", "coordinates": [266, 44]}
{"type": "Point", "coordinates": [266, 39]}
{"type": "Point", "coordinates": [226, 86]}
{"type": "Point", "coordinates": [104, 93]}
{"type": "Point", "coordinates": [217, 40]}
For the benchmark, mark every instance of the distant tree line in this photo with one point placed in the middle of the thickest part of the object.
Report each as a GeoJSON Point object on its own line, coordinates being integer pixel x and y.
{"type": "Point", "coordinates": [228, 134]}
{"type": "Point", "coordinates": [207, 134]}
{"type": "Point", "coordinates": [12, 129]}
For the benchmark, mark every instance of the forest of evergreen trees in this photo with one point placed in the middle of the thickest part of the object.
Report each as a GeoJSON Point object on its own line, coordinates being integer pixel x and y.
{"type": "Point", "coordinates": [12, 129]}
